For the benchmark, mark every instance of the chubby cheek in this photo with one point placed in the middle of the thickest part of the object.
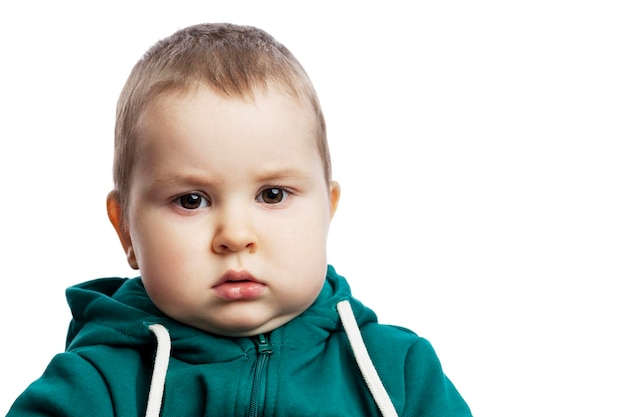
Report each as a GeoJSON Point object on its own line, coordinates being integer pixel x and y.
{"type": "Point", "coordinates": [170, 284]}
{"type": "Point", "coordinates": [165, 259]}
{"type": "Point", "coordinates": [159, 273]}
{"type": "Point", "coordinates": [299, 253]}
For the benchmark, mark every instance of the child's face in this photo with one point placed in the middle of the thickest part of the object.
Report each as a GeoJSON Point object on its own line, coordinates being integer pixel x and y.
{"type": "Point", "coordinates": [229, 210]}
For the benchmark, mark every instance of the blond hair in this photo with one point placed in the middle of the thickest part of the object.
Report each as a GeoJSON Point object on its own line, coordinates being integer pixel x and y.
{"type": "Point", "coordinates": [234, 60]}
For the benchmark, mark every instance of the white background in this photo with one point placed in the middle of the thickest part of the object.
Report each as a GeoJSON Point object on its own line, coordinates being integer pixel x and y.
{"type": "Point", "coordinates": [481, 150]}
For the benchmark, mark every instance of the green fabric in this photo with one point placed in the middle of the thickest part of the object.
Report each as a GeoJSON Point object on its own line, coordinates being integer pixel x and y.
{"type": "Point", "coordinates": [107, 367]}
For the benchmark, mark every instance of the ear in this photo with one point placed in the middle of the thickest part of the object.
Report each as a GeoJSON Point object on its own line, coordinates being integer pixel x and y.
{"type": "Point", "coordinates": [116, 216]}
{"type": "Point", "coordinates": [335, 193]}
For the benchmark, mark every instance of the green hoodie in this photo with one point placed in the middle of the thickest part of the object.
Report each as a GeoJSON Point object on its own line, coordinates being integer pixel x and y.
{"type": "Point", "coordinates": [305, 368]}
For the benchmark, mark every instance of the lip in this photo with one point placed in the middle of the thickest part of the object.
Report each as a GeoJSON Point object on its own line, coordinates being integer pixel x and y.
{"type": "Point", "coordinates": [239, 286]}
{"type": "Point", "coordinates": [236, 276]}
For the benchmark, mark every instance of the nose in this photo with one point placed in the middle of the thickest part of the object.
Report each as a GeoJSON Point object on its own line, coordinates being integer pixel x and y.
{"type": "Point", "coordinates": [234, 232]}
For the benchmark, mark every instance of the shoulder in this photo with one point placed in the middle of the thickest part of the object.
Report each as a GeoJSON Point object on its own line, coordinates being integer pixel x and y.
{"type": "Point", "coordinates": [70, 386]}
{"type": "Point", "coordinates": [76, 382]}
{"type": "Point", "coordinates": [395, 342]}
{"type": "Point", "coordinates": [412, 373]}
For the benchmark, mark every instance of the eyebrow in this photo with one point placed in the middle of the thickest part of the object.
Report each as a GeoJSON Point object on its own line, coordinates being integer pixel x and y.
{"type": "Point", "coordinates": [178, 179]}
{"type": "Point", "coordinates": [193, 179]}
{"type": "Point", "coordinates": [282, 173]}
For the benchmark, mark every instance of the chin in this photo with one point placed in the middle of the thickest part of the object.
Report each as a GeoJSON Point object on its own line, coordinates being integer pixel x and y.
{"type": "Point", "coordinates": [246, 328]}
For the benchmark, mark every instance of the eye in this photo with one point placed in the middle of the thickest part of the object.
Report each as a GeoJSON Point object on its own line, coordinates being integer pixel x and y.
{"type": "Point", "coordinates": [273, 195]}
{"type": "Point", "coordinates": [192, 201]}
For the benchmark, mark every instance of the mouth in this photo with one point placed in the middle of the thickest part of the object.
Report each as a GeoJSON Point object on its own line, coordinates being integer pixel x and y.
{"type": "Point", "coordinates": [238, 285]}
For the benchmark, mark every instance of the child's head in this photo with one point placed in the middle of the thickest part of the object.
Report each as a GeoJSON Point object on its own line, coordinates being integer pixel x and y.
{"type": "Point", "coordinates": [223, 192]}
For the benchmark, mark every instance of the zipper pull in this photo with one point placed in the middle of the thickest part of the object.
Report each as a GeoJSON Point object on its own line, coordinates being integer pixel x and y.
{"type": "Point", "coordinates": [264, 346]}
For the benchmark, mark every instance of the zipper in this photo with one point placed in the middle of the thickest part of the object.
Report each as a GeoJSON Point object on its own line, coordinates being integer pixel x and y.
{"type": "Point", "coordinates": [257, 397]}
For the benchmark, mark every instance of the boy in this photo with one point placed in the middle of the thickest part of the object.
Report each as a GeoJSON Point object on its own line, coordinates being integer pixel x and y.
{"type": "Point", "coordinates": [223, 199]}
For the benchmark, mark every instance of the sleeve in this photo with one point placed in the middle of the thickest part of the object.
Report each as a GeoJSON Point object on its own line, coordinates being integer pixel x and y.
{"type": "Point", "coordinates": [69, 387]}
{"type": "Point", "coordinates": [429, 392]}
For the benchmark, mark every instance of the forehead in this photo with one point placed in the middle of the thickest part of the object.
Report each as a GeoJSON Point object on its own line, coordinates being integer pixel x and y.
{"type": "Point", "coordinates": [274, 124]}
{"type": "Point", "coordinates": [216, 104]}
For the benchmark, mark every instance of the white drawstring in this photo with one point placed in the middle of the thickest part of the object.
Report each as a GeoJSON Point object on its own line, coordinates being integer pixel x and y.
{"type": "Point", "coordinates": [161, 362]}
{"type": "Point", "coordinates": [372, 380]}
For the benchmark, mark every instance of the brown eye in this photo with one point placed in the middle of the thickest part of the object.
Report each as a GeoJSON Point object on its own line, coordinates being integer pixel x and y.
{"type": "Point", "coordinates": [273, 195]}
{"type": "Point", "coordinates": [192, 201]}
